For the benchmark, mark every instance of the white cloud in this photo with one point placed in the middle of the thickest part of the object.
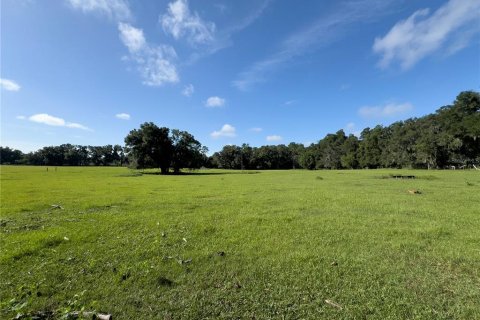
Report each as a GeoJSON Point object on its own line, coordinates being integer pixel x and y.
{"type": "Point", "coordinates": [74, 125]}
{"type": "Point", "coordinates": [386, 111]}
{"type": "Point", "coordinates": [155, 63]}
{"type": "Point", "coordinates": [226, 131]}
{"type": "Point", "coordinates": [215, 102]}
{"type": "Point", "coordinates": [21, 117]}
{"type": "Point", "coordinates": [132, 37]}
{"type": "Point", "coordinates": [325, 30]}
{"type": "Point", "coordinates": [180, 22]}
{"type": "Point", "coordinates": [47, 119]}
{"type": "Point", "coordinates": [274, 138]}
{"type": "Point", "coordinates": [256, 129]}
{"type": "Point", "coordinates": [122, 116]}
{"type": "Point", "coordinates": [451, 26]}
{"type": "Point", "coordinates": [9, 85]}
{"type": "Point", "coordinates": [116, 9]}
{"type": "Point", "coordinates": [56, 122]}
{"type": "Point", "coordinates": [188, 90]}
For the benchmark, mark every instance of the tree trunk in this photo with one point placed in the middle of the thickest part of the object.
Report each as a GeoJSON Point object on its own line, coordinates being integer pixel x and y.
{"type": "Point", "coordinates": [164, 170]}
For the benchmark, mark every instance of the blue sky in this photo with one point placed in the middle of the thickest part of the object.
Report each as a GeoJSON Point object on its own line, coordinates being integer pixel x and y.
{"type": "Point", "coordinates": [255, 71]}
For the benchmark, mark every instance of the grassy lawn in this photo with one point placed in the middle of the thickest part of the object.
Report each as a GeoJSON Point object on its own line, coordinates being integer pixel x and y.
{"type": "Point", "coordinates": [249, 245]}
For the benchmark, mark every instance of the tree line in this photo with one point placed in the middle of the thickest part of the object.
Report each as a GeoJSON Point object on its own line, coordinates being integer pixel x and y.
{"type": "Point", "coordinates": [67, 155]}
{"type": "Point", "coordinates": [448, 137]}
{"type": "Point", "coordinates": [147, 147]}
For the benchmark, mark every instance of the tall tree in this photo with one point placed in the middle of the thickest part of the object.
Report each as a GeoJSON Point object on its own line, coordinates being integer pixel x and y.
{"type": "Point", "coordinates": [186, 151]}
{"type": "Point", "coordinates": [349, 152]}
{"type": "Point", "coordinates": [150, 146]}
{"type": "Point", "coordinates": [10, 156]}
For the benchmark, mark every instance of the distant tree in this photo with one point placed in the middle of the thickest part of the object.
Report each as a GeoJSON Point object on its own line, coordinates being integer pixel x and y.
{"type": "Point", "coordinates": [462, 121]}
{"type": "Point", "coordinates": [349, 152]}
{"type": "Point", "coordinates": [53, 155]}
{"type": "Point", "coordinates": [230, 157]}
{"type": "Point", "coordinates": [246, 157]}
{"type": "Point", "coordinates": [331, 150]}
{"type": "Point", "coordinates": [296, 150]}
{"type": "Point", "coordinates": [371, 147]}
{"type": "Point", "coordinates": [150, 146]}
{"type": "Point", "coordinates": [186, 151]}
{"type": "Point", "coordinates": [118, 155]}
{"type": "Point", "coordinates": [308, 159]}
{"type": "Point", "coordinates": [96, 154]}
{"type": "Point", "coordinates": [10, 156]}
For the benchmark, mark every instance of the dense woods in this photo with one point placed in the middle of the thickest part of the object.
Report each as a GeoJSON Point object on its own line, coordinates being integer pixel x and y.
{"type": "Point", "coordinates": [67, 155]}
{"type": "Point", "coordinates": [448, 137]}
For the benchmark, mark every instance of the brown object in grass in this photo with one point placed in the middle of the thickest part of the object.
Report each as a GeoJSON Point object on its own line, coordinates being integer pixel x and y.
{"type": "Point", "coordinates": [414, 191]}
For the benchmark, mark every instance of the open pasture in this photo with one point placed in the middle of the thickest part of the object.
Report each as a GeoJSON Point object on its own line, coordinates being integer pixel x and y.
{"type": "Point", "coordinates": [231, 244]}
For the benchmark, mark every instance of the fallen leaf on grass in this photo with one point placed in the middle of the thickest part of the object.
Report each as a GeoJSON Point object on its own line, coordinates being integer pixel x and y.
{"type": "Point", "coordinates": [333, 304]}
{"type": "Point", "coordinates": [414, 191]}
{"type": "Point", "coordinates": [181, 261]}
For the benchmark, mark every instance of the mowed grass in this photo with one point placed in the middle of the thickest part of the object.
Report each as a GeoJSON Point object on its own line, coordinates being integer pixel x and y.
{"type": "Point", "coordinates": [240, 245]}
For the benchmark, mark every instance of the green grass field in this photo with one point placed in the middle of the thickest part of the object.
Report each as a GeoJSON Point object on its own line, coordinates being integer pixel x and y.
{"type": "Point", "coordinates": [240, 245]}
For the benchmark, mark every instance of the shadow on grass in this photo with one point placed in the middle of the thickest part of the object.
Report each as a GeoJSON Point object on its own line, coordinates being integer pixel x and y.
{"type": "Point", "coordinates": [200, 173]}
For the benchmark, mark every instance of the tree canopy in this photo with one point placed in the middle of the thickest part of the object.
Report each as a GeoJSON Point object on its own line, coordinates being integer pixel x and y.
{"type": "Point", "coordinates": [155, 147]}
{"type": "Point", "coordinates": [448, 137]}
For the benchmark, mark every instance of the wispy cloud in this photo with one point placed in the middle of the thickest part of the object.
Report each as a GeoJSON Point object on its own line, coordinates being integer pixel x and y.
{"type": "Point", "coordinates": [222, 37]}
{"type": "Point", "coordinates": [114, 9]}
{"type": "Point", "coordinates": [180, 22]}
{"type": "Point", "coordinates": [122, 116]}
{"type": "Point", "coordinates": [226, 131]}
{"type": "Point", "coordinates": [386, 111]}
{"type": "Point", "coordinates": [21, 117]}
{"type": "Point", "coordinates": [132, 37]}
{"type": "Point", "coordinates": [215, 102]}
{"type": "Point", "coordinates": [351, 128]}
{"type": "Point", "coordinates": [256, 129]}
{"type": "Point", "coordinates": [325, 30]}
{"type": "Point", "coordinates": [155, 63]}
{"type": "Point", "coordinates": [450, 27]}
{"type": "Point", "coordinates": [274, 138]}
{"type": "Point", "coordinates": [256, 13]}
{"type": "Point", "coordinates": [289, 102]}
{"type": "Point", "coordinates": [56, 122]}
{"type": "Point", "coordinates": [9, 85]}
{"type": "Point", "coordinates": [188, 90]}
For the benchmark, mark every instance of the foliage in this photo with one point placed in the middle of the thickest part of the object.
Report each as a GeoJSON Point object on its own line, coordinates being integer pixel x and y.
{"type": "Point", "coordinates": [67, 155]}
{"type": "Point", "coordinates": [150, 146]}
{"type": "Point", "coordinates": [154, 147]}
{"type": "Point", "coordinates": [451, 136]}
